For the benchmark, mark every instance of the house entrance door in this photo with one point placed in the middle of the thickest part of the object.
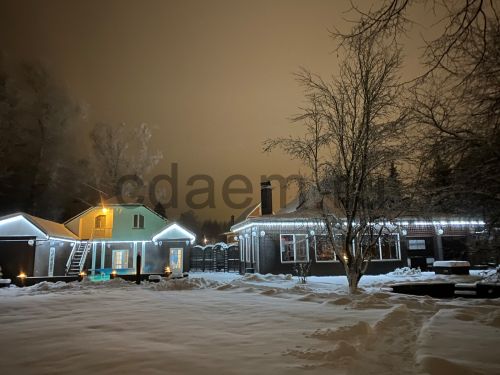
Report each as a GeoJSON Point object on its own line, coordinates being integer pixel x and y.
{"type": "Point", "coordinates": [176, 261]}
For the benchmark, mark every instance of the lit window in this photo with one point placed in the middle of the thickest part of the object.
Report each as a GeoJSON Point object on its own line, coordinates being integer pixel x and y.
{"type": "Point", "coordinates": [324, 249]}
{"type": "Point", "coordinates": [416, 245]}
{"type": "Point", "coordinates": [138, 221]}
{"type": "Point", "coordinates": [100, 222]}
{"type": "Point", "coordinates": [369, 245]}
{"type": "Point", "coordinates": [294, 248]}
{"type": "Point", "coordinates": [389, 247]}
{"type": "Point", "coordinates": [120, 259]}
{"type": "Point", "coordinates": [386, 247]}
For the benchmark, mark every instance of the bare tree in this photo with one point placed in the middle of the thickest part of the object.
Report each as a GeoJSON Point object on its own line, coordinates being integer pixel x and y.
{"type": "Point", "coordinates": [354, 133]}
{"type": "Point", "coordinates": [462, 117]}
{"type": "Point", "coordinates": [120, 151]}
{"type": "Point", "coordinates": [457, 99]}
{"type": "Point", "coordinates": [463, 22]}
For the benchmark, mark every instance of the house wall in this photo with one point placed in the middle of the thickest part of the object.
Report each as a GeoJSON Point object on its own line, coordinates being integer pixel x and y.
{"type": "Point", "coordinates": [269, 258]}
{"type": "Point", "coordinates": [154, 257]}
{"type": "Point", "coordinates": [455, 248]}
{"type": "Point", "coordinates": [62, 251]}
{"type": "Point", "coordinates": [158, 256]}
{"type": "Point", "coordinates": [119, 223]}
{"type": "Point", "coordinates": [83, 226]}
{"type": "Point", "coordinates": [123, 225]}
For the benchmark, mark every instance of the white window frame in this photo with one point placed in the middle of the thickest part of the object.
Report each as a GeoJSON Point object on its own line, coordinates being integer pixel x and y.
{"type": "Point", "coordinates": [398, 249]}
{"type": "Point", "coordinates": [124, 259]}
{"type": "Point", "coordinates": [137, 225]}
{"type": "Point", "coordinates": [379, 243]}
{"type": "Point", "coordinates": [294, 248]}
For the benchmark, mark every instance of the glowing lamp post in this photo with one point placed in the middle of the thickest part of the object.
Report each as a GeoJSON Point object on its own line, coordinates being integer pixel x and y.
{"type": "Point", "coordinates": [113, 275]}
{"type": "Point", "coordinates": [81, 276]}
{"type": "Point", "coordinates": [168, 272]}
{"type": "Point", "coordinates": [22, 278]}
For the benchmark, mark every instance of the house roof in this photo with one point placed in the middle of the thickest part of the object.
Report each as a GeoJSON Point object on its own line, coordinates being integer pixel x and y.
{"type": "Point", "coordinates": [47, 227]}
{"type": "Point", "coordinates": [174, 231]}
{"type": "Point", "coordinates": [115, 205]}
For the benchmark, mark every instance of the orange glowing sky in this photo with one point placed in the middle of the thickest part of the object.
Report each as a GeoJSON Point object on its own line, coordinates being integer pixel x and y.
{"type": "Point", "coordinates": [213, 77]}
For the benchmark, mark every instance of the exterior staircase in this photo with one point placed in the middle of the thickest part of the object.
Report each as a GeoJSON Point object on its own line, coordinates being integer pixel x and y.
{"type": "Point", "coordinates": [77, 258]}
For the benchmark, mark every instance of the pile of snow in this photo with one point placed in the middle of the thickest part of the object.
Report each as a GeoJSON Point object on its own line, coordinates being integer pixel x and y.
{"type": "Point", "coordinates": [184, 284]}
{"type": "Point", "coordinates": [492, 276]}
{"type": "Point", "coordinates": [267, 277]}
{"type": "Point", "coordinates": [406, 271]}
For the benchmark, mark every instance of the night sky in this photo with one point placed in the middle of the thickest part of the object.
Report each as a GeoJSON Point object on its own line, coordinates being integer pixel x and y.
{"type": "Point", "coordinates": [214, 78]}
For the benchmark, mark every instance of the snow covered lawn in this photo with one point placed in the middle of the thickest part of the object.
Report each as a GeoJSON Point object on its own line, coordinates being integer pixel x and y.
{"type": "Point", "coordinates": [228, 324]}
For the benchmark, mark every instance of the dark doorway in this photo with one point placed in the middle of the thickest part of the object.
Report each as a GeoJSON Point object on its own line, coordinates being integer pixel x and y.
{"type": "Point", "coordinates": [454, 248]}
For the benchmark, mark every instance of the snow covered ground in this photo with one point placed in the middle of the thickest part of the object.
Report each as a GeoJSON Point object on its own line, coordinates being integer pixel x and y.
{"type": "Point", "coordinates": [254, 324]}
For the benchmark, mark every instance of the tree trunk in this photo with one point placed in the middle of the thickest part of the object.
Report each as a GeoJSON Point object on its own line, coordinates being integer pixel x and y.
{"type": "Point", "coordinates": [353, 277]}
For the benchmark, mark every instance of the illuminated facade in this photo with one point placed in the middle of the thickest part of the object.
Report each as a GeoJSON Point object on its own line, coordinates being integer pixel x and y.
{"type": "Point", "coordinates": [97, 241]}
{"type": "Point", "coordinates": [275, 243]}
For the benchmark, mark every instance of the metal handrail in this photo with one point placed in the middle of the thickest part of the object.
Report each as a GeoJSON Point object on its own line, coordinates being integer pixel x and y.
{"type": "Point", "coordinates": [70, 258]}
{"type": "Point", "coordinates": [86, 250]}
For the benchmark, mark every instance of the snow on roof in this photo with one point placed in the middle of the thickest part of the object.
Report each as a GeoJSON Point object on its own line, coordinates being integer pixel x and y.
{"type": "Point", "coordinates": [42, 227]}
{"type": "Point", "coordinates": [51, 228]}
{"type": "Point", "coordinates": [174, 231]}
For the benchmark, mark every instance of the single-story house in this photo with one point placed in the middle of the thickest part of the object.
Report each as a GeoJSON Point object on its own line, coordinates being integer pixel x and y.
{"type": "Point", "coordinates": [99, 240]}
{"type": "Point", "coordinates": [275, 242]}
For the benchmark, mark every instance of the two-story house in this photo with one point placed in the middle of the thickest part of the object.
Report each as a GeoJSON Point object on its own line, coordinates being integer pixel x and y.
{"type": "Point", "coordinates": [99, 240]}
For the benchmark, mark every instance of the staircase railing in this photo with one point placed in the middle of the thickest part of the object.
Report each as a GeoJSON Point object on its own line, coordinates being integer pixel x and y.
{"type": "Point", "coordinates": [76, 245]}
{"type": "Point", "coordinates": [86, 250]}
{"type": "Point", "coordinates": [88, 244]}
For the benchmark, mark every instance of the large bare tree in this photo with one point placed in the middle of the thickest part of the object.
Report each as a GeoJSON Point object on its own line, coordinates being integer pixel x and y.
{"type": "Point", "coordinates": [355, 131]}
{"type": "Point", "coordinates": [457, 99]}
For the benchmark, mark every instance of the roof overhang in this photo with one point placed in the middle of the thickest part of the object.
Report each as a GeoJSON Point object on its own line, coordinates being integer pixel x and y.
{"type": "Point", "coordinates": [174, 231]}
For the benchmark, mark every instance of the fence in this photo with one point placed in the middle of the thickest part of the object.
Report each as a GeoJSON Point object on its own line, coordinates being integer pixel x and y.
{"type": "Point", "coordinates": [215, 258]}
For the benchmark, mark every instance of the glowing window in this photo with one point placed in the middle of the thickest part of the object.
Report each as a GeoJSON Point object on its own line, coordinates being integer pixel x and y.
{"type": "Point", "coordinates": [294, 248]}
{"type": "Point", "coordinates": [100, 222]}
{"type": "Point", "coordinates": [120, 259]}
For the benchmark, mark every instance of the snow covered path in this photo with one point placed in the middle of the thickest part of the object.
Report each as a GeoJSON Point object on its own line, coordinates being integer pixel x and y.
{"type": "Point", "coordinates": [226, 324]}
